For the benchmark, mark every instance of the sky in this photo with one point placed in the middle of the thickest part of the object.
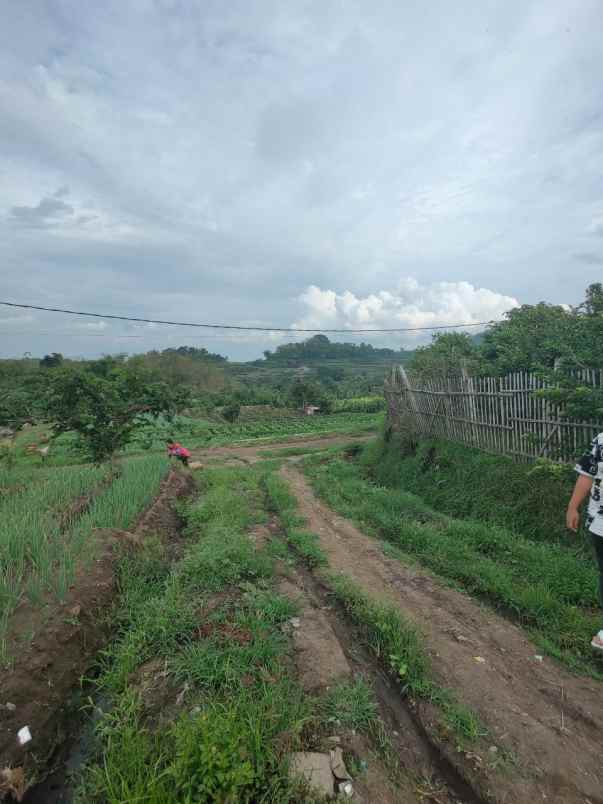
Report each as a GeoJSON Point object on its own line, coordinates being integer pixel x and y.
{"type": "Point", "coordinates": [318, 164]}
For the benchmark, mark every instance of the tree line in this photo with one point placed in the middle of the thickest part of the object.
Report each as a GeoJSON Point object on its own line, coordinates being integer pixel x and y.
{"type": "Point", "coordinates": [554, 341]}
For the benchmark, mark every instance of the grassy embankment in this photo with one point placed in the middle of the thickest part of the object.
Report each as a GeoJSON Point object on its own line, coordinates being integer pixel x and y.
{"type": "Point", "coordinates": [492, 527]}
{"type": "Point", "coordinates": [223, 709]}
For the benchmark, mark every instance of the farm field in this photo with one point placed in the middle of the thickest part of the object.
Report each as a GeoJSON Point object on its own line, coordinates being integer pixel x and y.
{"type": "Point", "coordinates": [250, 626]}
{"type": "Point", "coordinates": [266, 424]}
{"type": "Point", "coordinates": [271, 425]}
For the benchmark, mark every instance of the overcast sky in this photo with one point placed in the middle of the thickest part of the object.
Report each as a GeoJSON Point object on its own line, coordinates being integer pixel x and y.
{"type": "Point", "coordinates": [338, 163]}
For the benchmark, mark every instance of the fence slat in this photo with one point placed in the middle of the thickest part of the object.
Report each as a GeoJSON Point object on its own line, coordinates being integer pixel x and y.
{"type": "Point", "coordinates": [503, 415]}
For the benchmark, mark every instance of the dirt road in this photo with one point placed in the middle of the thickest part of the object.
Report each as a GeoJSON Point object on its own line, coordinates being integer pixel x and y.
{"type": "Point", "coordinates": [257, 452]}
{"type": "Point", "coordinates": [548, 720]}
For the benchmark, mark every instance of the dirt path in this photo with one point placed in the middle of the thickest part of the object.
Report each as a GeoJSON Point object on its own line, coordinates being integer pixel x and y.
{"type": "Point", "coordinates": [548, 719]}
{"type": "Point", "coordinates": [256, 452]}
{"type": "Point", "coordinates": [326, 651]}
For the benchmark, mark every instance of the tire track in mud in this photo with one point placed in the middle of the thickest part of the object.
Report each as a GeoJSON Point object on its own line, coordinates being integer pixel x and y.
{"type": "Point", "coordinates": [327, 651]}
{"type": "Point", "coordinates": [548, 719]}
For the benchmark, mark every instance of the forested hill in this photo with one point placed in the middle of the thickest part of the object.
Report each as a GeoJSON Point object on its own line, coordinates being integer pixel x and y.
{"type": "Point", "coordinates": [319, 348]}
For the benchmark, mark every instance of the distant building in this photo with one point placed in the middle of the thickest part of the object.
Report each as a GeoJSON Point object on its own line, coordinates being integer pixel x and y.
{"type": "Point", "coordinates": [310, 410]}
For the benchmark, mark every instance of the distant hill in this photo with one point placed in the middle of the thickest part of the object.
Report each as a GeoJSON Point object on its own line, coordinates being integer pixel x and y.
{"type": "Point", "coordinates": [319, 349]}
{"type": "Point", "coordinates": [196, 354]}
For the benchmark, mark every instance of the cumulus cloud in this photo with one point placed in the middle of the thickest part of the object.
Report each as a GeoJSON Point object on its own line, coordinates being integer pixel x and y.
{"type": "Point", "coordinates": [410, 304]}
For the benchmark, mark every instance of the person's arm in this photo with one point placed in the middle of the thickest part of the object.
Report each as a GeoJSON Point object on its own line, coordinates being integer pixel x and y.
{"type": "Point", "coordinates": [581, 491]}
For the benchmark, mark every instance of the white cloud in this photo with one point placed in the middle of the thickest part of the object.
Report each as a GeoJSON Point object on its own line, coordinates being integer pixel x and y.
{"type": "Point", "coordinates": [410, 304]}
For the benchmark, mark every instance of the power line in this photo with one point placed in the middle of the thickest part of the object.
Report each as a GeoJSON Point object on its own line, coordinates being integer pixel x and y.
{"type": "Point", "coordinates": [149, 334]}
{"type": "Point", "coordinates": [238, 326]}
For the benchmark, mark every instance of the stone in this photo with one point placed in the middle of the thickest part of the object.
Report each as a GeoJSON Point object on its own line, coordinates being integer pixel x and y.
{"type": "Point", "coordinates": [314, 769]}
{"type": "Point", "coordinates": [24, 735]}
{"type": "Point", "coordinates": [340, 772]}
{"type": "Point", "coordinates": [347, 789]}
{"type": "Point", "coordinates": [295, 622]}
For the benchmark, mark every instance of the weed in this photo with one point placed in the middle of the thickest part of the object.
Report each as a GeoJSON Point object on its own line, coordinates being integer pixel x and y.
{"type": "Point", "coordinates": [307, 544]}
{"type": "Point", "coordinates": [350, 704]}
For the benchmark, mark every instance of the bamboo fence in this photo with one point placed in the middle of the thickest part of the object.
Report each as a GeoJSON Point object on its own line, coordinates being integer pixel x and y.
{"type": "Point", "coordinates": [502, 415]}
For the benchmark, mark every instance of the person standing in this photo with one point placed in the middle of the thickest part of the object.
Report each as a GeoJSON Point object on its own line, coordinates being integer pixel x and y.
{"type": "Point", "coordinates": [590, 482]}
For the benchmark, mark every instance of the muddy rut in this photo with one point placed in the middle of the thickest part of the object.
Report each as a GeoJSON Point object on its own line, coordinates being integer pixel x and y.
{"type": "Point", "coordinates": [548, 720]}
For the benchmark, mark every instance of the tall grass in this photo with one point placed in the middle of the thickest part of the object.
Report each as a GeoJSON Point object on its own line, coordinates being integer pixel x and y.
{"type": "Point", "coordinates": [465, 482]}
{"type": "Point", "coordinates": [39, 545]}
{"type": "Point", "coordinates": [30, 510]}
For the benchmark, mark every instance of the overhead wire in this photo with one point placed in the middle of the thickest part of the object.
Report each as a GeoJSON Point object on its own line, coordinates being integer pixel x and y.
{"type": "Point", "coordinates": [241, 327]}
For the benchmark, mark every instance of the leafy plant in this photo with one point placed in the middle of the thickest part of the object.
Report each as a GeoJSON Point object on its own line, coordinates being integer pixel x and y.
{"type": "Point", "coordinates": [104, 409]}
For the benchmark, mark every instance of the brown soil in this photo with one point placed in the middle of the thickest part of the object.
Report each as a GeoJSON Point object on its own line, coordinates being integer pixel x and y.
{"type": "Point", "coordinates": [326, 652]}
{"type": "Point", "coordinates": [549, 720]}
{"type": "Point", "coordinates": [53, 646]}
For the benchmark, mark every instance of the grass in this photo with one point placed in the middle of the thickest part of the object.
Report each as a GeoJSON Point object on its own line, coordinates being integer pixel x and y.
{"type": "Point", "coordinates": [350, 704]}
{"type": "Point", "coordinates": [42, 542]}
{"type": "Point", "coordinates": [396, 642]}
{"type": "Point", "coordinates": [399, 646]}
{"type": "Point", "coordinates": [529, 499]}
{"type": "Point", "coordinates": [550, 589]}
{"type": "Point", "coordinates": [213, 619]}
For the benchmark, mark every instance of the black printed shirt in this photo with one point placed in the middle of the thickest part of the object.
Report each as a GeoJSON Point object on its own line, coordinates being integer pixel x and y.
{"type": "Point", "coordinates": [591, 465]}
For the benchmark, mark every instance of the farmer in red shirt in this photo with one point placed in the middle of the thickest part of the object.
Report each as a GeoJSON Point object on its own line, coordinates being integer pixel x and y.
{"type": "Point", "coordinates": [176, 450]}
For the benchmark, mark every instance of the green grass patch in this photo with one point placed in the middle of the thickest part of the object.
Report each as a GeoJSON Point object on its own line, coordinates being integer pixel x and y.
{"type": "Point", "coordinates": [529, 499]}
{"type": "Point", "coordinates": [350, 705]}
{"type": "Point", "coordinates": [307, 545]}
{"type": "Point", "coordinates": [214, 620]}
{"type": "Point", "coordinates": [399, 645]}
{"type": "Point", "coordinates": [550, 589]}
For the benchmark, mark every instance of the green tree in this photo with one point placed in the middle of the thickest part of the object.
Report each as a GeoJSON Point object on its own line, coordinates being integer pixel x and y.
{"type": "Point", "coordinates": [593, 303]}
{"type": "Point", "coordinates": [105, 409]}
{"type": "Point", "coordinates": [231, 412]}
{"type": "Point", "coordinates": [305, 392]}
{"type": "Point", "coordinates": [53, 360]}
{"type": "Point", "coordinates": [447, 355]}
{"type": "Point", "coordinates": [532, 337]}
